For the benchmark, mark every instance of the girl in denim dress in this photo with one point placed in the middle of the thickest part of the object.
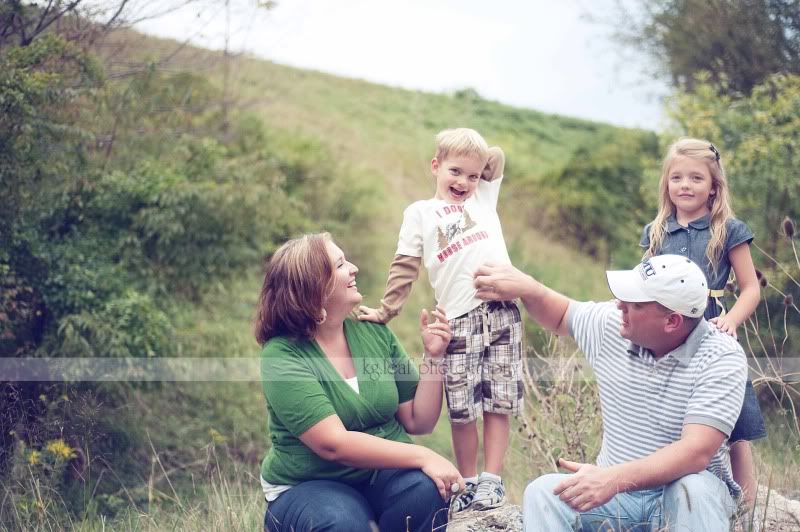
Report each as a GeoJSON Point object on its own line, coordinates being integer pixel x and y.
{"type": "Point", "coordinates": [695, 219]}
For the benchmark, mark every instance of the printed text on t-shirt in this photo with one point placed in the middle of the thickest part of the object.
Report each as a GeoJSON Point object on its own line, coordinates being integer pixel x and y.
{"type": "Point", "coordinates": [457, 246]}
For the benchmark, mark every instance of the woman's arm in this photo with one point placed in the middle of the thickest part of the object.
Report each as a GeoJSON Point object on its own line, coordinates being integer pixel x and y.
{"type": "Point", "coordinates": [330, 440]}
{"type": "Point", "coordinates": [419, 416]}
{"type": "Point", "coordinates": [749, 290]}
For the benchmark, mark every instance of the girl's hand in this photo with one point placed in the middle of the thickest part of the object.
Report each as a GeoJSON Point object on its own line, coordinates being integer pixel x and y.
{"type": "Point", "coordinates": [443, 473]}
{"type": "Point", "coordinates": [725, 325]}
{"type": "Point", "coordinates": [435, 335]}
{"type": "Point", "coordinates": [370, 314]}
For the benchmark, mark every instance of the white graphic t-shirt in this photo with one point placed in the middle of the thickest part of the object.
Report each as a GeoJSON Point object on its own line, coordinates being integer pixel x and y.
{"type": "Point", "coordinates": [453, 241]}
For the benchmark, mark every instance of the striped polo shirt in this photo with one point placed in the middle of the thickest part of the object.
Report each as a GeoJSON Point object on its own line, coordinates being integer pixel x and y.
{"type": "Point", "coordinates": [646, 401]}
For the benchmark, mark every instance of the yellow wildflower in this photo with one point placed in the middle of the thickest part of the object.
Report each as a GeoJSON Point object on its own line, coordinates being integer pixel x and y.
{"type": "Point", "coordinates": [60, 449]}
{"type": "Point", "coordinates": [217, 437]}
{"type": "Point", "coordinates": [34, 457]}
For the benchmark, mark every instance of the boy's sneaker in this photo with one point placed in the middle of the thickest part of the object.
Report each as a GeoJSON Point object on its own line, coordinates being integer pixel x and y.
{"type": "Point", "coordinates": [463, 500]}
{"type": "Point", "coordinates": [490, 493]}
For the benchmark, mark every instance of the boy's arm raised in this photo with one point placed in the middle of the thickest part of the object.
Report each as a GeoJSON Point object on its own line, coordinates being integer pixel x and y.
{"type": "Point", "coordinates": [402, 274]}
{"type": "Point", "coordinates": [495, 165]}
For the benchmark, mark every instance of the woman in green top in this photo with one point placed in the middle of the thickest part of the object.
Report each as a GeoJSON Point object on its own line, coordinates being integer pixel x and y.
{"type": "Point", "coordinates": [342, 397]}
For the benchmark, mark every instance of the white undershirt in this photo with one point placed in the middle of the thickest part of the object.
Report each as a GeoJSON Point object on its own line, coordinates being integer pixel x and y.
{"type": "Point", "coordinates": [353, 382]}
{"type": "Point", "coordinates": [271, 491]}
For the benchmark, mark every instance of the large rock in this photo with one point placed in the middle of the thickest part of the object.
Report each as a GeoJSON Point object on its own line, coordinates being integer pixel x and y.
{"type": "Point", "coordinates": [507, 517]}
{"type": "Point", "coordinates": [781, 515]}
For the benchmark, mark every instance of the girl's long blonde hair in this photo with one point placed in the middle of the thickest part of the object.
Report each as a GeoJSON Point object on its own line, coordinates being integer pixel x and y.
{"type": "Point", "coordinates": [718, 203]}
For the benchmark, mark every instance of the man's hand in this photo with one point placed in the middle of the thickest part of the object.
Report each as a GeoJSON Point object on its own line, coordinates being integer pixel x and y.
{"type": "Point", "coordinates": [591, 486]}
{"type": "Point", "coordinates": [501, 282]}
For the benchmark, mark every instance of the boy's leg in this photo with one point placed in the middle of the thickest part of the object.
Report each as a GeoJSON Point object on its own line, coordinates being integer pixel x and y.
{"type": "Point", "coordinates": [495, 441]}
{"type": "Point", "coordinates": [501, 379]}
{"type": "Point", "coordinates": [465, 447]}
{"type": "Point", "coordinates": [462, 388]}
{"type": "Point", "coordinates": [463, 393]}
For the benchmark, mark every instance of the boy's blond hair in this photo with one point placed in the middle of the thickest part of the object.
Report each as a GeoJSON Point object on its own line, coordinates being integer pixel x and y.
{"type": "Point", "coordinates": [461, 142]}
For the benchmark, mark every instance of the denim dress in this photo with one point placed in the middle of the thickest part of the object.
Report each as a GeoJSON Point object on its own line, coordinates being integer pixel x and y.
{"type": "Point", "coordinates": [691, 242]}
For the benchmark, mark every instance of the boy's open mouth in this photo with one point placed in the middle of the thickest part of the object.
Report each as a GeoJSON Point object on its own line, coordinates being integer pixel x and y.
{"type": "Point", "coordinates": [457, 193]}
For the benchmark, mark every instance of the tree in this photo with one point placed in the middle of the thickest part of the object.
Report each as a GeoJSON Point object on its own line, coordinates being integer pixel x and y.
{"type": "Point", "coordinates": [759, 142]}
{"type": "Point", "coordinates": [596, 200]}
{"type": "Point", "coordinates": [77, 20]}
{"type": "Point", "coordinates": [740, 42]}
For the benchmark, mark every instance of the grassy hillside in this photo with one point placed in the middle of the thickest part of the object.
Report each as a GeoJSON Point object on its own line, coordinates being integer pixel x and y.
{"type": "Point", "coordinates": [387, 135]}
{"type": "Point", "coordinates": [196, 446]}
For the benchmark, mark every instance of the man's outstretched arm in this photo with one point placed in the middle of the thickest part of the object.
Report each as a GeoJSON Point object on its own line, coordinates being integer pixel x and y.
{"type": "Point", "coordinates": [505, 282]}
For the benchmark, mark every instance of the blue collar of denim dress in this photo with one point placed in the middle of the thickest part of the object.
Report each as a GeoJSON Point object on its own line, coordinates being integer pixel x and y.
{"type": "Point", "coordinates": [700, 223]}
{"type": "Point", "coordinates": [684, 352]}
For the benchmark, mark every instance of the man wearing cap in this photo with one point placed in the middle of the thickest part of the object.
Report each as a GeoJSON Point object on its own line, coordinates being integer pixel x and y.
{"type": "Point", "coordinates": [671, 387]}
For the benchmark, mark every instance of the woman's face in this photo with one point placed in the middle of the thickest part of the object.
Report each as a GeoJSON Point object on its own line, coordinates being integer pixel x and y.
{"type": "Point", "coordinates": [345, 293]}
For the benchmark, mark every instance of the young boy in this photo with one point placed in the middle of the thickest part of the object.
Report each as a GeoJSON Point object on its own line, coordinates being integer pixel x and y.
{"type": "Point", "coordinates": [453, 233]}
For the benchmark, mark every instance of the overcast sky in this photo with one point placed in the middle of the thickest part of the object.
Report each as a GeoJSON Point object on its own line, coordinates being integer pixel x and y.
{"type": "Point", "coordinates": [536, 54]}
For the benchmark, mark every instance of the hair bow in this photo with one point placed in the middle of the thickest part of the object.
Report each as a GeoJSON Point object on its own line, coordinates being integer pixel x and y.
{"type": "Point", "coordinates": [715, 151]}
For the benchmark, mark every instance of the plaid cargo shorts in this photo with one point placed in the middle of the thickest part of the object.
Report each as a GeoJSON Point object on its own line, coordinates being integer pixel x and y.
{"type": "Point", "coordinates": [484, 362]}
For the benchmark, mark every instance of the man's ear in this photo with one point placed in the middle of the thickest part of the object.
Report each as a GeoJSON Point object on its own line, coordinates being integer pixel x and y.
{"type": "Point", "coordinates": [674, 322]}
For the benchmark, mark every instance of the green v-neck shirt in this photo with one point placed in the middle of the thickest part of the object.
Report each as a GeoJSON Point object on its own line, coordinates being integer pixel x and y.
{"type": "Point", "coordinates": [302, 388]}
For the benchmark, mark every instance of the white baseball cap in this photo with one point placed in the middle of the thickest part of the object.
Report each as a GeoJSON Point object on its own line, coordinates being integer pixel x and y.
{"type": "Point", "coordinates": [672, 280]}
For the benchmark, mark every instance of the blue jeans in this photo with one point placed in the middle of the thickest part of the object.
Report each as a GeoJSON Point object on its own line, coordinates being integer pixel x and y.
{"type": "Point", "coordinates": [693, 503]}
{"type": "Point", "coordinates": [394, 499]}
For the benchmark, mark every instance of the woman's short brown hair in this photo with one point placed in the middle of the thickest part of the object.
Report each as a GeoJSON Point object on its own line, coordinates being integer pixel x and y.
{"type": "Point", "coordinates": [298, 280]}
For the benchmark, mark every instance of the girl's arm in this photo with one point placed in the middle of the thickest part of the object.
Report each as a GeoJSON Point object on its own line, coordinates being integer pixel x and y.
{"type": "Point", "coordinates": [402, 274]}
{"type": "Point", "coordinates": [749, 290]}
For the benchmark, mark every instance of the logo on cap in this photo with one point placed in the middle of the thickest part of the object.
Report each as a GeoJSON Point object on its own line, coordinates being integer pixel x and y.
{"type": "Point", "coordinates": [646, 269]}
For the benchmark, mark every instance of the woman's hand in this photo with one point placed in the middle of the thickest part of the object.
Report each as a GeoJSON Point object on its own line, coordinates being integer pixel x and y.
{"type": "Point", "coordinates": [435, 335]}
{"type": "Point", "coordinates": [443, 473]}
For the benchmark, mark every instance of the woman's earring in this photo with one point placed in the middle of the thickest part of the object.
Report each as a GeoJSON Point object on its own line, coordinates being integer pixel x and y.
{"type": "Point", "coordinates": [321, 319]}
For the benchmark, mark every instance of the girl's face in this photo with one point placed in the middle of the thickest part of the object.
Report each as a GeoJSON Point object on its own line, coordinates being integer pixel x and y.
{"type": "Point", "coordinates": [690, 186]}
